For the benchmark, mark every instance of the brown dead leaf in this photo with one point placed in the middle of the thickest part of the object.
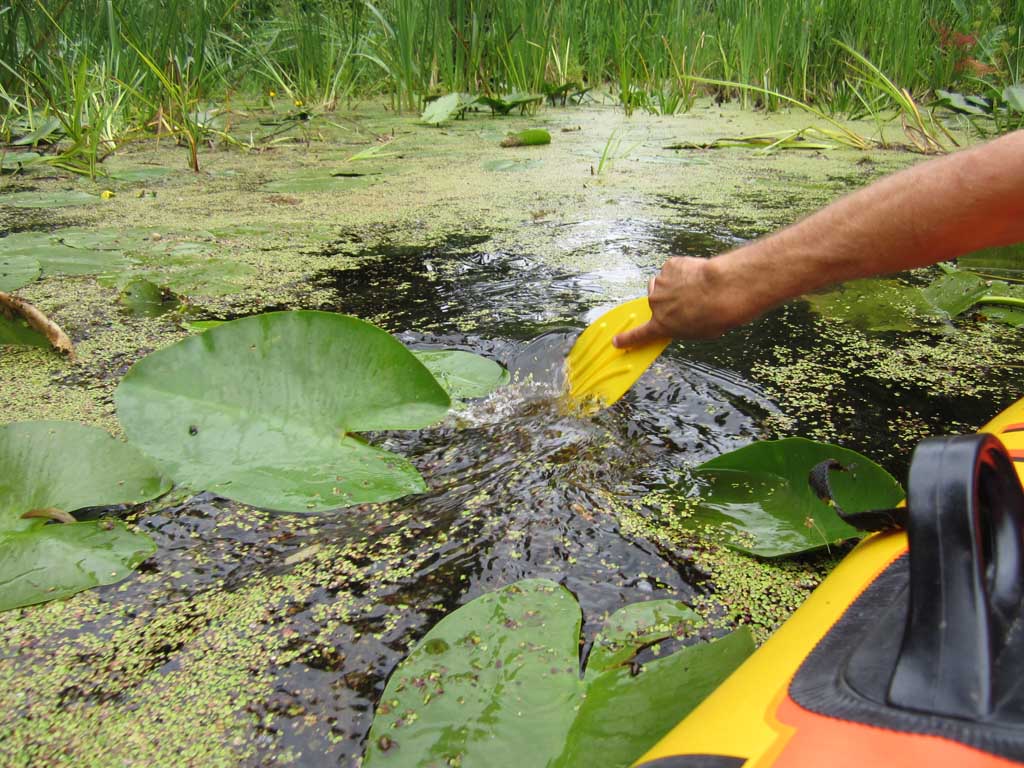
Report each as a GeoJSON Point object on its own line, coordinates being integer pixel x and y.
{"type": "Point", "coordinates": [50, 513]}
{"type": "Point", "coordinates": [14, 307]}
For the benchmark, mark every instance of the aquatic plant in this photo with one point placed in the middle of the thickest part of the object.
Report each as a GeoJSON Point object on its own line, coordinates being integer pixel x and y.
{"type": "Point", "coordinates": [266, 410]}
{"type": "Point", "coordinates": [52, 469]}
{"type": "Point", "coordinates": [505, 668]}
{"type": "Point", "coordinates": [757, 499]}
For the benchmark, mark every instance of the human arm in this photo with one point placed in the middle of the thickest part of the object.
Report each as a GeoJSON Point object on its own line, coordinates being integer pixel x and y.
{"type": "Point", "coordinates": [938, 210]}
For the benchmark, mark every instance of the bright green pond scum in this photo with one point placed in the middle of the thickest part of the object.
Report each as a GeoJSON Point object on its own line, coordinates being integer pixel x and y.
{"type": "Point", "coordinates": [253, 638]}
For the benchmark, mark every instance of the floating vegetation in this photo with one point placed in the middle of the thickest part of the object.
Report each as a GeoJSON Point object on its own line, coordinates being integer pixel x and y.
{"type": "Point", "coordinates": [758, 499]}
{"type": "Point", "coordinates": [53, 469]}
{"type": "Point", "coordinates": [505, 668]}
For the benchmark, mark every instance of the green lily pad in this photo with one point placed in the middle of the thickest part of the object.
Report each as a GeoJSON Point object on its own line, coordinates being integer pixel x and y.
{"type": "Point", "coordinates": [503, 671]}
{"type": "Point", "coordinates": [463, 374]}
{"type": "Point", "coordinates": [876, 305]}
{"type": "Point", "coordinates": [636, 626]}
{"type": "Point", "coordinates": [55, 561]}
{"type": "Point", "coordinates": [11, 161]}
{"type": "Point", "coordinates": [955, 292]}
{"type": "Point", "coordinates": [15, 331]}
{"type": "Point", "coordinates": [1013, 95]}
{"type": "Point", "coordinates": [263, 410]}
{"type": "Point", "coordinates": [757, 499]}
{"type": "Point", "coordinates": [505, 164]}
{"type": "Point", "coordinates": [442, 109]}
{"type": "Point", "coordinates": [1007, 258]}
{"type": "Point", "coordinates": [68, 466]}
{"type": "Point", "coordinates": [17, 270]}
{"type": "Point", "coordinates": [659, 697]}
{"type": "Point", "coordinates": [198, 277]}
{"type": "Point", "coordinates": [143, 298]}
{"type": "Point", "coordinates": [60, 465]}
{"type": "Point", "coordinates": [59, 199]}
{"type": "Point", "coordinates": [58, 258]}
{"type": "Point", "coordinates": [960, 103]}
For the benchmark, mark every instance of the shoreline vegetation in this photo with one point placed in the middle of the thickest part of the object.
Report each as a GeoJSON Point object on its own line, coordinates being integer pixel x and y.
{"type": "Point", "coordinates": [79, 79]}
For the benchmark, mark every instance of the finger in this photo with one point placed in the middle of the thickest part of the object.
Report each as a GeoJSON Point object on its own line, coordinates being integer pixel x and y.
{"type": "Point", "coordinates": [638, 336]}
{"type": "Point", "coordinates": [650, 286]}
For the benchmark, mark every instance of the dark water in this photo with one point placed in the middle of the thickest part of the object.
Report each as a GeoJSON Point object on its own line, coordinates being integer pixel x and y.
{"type": "Point", "coordinates": [517, 488]}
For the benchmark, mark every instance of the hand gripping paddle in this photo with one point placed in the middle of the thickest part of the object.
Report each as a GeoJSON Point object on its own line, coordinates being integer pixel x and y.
{"type": "Point", "coordinates": [597, 374]}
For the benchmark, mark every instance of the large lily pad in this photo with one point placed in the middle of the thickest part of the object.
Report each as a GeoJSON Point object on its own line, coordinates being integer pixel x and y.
{"type": "Point", "coordinates": [263, 410]}
{"type": "Point", "coordinates": [503, 671]}
{"type": "Point", "coordinates": [463, 375]}
{"type": "Point", "coordinates": [757, 499]}
{"type": "Point", "coordinates": [52, 467]}
{"type": "Point", "coordinates": [17, 270]}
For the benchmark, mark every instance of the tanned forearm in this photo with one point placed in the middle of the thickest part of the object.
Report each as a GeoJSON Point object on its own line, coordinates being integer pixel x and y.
{"type": "Point", "coordinates": [934, 211]}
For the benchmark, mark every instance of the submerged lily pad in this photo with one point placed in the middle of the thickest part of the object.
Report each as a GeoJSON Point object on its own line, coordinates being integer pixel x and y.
{"type": "Point", "coordinates": [463, 374]}
{"type": "Point", "coordinates": [63, 466]}
{"type": "Point", "coordinates": [17, 270]}
{"type": "Point", "coordinates": [504, 164]}
{"type": "Point", "coordinates": [263, 410]}
{"type": "Point", "coordinates": [876, 305]}
{"type": "Point", "coordinates": [146, 299]}
{"type": "Point", "coordinates": [59, 258]}
{"type": "Point", "coordinates": [758, 500]}
{"type": "Point", "coordinates": [503, 671]}
{"type": "Point", "coordinates": [316, 181]}
{"type": "Point", "coordinates": [59, 199]}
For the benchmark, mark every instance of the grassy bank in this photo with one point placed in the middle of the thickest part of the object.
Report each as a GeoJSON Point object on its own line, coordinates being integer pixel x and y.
{"type": "Point", "coordinates": [97, 72]}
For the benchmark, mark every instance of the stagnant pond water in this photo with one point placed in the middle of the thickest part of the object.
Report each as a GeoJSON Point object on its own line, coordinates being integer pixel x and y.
{"type": "Point", "coordinates": [312, 613]}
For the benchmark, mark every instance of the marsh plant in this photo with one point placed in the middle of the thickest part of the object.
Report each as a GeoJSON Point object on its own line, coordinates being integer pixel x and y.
{"type": "Point", "coordinates": [111, 69]}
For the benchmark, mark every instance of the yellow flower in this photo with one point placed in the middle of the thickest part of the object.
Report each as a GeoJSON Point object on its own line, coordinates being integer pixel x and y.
{"type": "Point", "coordinates": [298, 102]}
{"type": "Point", "coordinates": [272, 93]}
{"type": "Point", "coordinates": [106, 194]}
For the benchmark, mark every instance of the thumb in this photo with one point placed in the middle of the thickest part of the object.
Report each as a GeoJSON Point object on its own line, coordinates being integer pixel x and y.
{"type": "Point", "coordinates": [637, 337]}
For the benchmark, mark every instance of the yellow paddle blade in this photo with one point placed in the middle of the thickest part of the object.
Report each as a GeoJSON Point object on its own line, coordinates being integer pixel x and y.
{"type": "Point", "coordinates": [599, 374]}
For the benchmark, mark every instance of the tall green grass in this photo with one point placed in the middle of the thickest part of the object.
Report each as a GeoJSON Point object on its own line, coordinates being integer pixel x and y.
{"type": "Point", "coordinates": [102, 67]}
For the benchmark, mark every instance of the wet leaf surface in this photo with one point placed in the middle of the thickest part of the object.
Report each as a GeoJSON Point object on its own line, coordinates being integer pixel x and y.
{"type": "Point", "coordinates": [757, 499]}
{"type": "Point", "coordinates": [463, 375]}
{"type": "Point", "coordinates": [503, 671]}
{"type": "Point", "coordinates": [262, 410]}
{"type": "Point", "coordinates": [54, 561]}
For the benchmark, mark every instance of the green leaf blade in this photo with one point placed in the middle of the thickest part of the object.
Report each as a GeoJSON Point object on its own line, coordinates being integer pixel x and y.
{"type": "Point", "coordinates": [68, 466]}
{"type": "Point", "coordinates": [500, 667]}
{"type": "Point", "coordinates": [55, 561]}
{"type": "Point", "coordinates": [759, 501]}
{"type": "Point", "coordinates": [261, 410]}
